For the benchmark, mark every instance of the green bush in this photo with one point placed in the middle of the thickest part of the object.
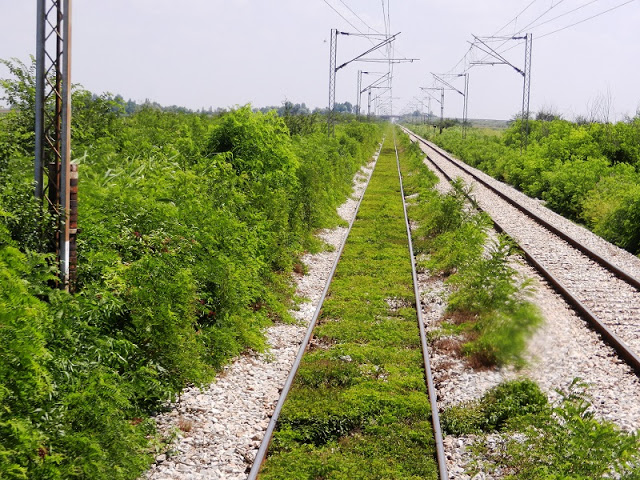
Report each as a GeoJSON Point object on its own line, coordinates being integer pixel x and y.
{"type": "Point", "coordinates": [24, 378]}
{"type": "Point", "coordinates": [189, 227]}
{"type": "Point", "coordinates": [570, 166]}
{"type": "Point", "coordinates": [498, 409]}
{"type": "Point", "coordinates": [563, 441]}
{"type": "Point", "coordinates": [568, 442]}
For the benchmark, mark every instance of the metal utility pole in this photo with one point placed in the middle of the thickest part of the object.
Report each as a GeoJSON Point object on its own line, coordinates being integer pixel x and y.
{"type": "Point", "coordinates": [333, 53]}
{"type": "Point", "coordinates": [441, 101]}
{"type": "Point", "coordinates": [53, 129]}
{"type": "Point", "coordinates": [498, 59]}
{"type": "Point", "coordinates": [375, 84]}
{"type": "Point", "coordinates": [333, 69]}
{"type": "Point", "coordinates": [359, 90]}
{"type": "Point", "coordinates": [420, 105]}
{"type": "Point", "coordinates": [465, 95]}
{"type": "Point", "coordinates": [526, 90]}
{"type": "Point", "coordinates": [441, 109]}
{"type": "Point", "coordinates": [466, 104]}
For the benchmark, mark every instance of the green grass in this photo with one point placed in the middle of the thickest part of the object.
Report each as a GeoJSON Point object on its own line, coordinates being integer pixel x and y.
{"type": "Point", "coordinates": [359, 407]}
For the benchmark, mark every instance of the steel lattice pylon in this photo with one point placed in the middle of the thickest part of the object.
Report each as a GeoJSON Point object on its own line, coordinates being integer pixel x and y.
{"type": "Point", "coordinates": [498, 59]}
{"type": "Point", "coordinates": [526, 90]}
{"type": "Point", "coordinates": [53, 128]}
{"type": "Point", "coordinates": [333, 53]}
{"type": "Point", "coordinates": [359, 93]}
{"type": "Point", "coordinates": [465, 112]}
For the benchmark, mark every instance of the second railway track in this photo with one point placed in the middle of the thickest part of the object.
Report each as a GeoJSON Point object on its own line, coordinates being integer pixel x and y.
{"type": "Point", "coordinates": [610, 295]}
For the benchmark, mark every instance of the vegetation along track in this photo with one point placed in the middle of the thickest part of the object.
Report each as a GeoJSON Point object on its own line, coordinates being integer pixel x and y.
{"type": "Point", "coordinates": [356, 404]}
{"type": "Point", "coordinates": [601, 283]}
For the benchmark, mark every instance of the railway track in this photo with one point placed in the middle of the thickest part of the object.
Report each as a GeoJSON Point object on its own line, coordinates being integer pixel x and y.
{"type": "Point", "coordinates": [594, 282]}
{"type": "Point", "coordinates": [396, 312]}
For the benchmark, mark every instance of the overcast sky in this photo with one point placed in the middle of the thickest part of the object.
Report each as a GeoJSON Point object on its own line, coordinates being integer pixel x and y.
{"type": "Point", "coordinates": [221, 53]}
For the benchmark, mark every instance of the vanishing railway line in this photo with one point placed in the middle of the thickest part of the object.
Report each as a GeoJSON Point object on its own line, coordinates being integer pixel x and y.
{"type": "Point", "coordinates": [595, 282]}
{"type": "Point", "coordinates": [396, 362]}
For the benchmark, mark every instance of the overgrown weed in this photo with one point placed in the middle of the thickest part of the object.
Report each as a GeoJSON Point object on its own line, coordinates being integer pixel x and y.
{"type": "Point", "coordinates": [489, 303]}
{"type": "Point", "coordinates": [541, 440]}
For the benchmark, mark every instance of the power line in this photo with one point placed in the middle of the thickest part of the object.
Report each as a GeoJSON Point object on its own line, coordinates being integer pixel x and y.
{"type": "Point", "coordinates": [467, 67]}
{"type": "Point", "coordinates": [539, 17]}
{"type": "Point", "coordinates": [565, 14]}
{"type": "Point", "coordinates": [343, 17]}
{"type": "Point", "coordinates": [587, 19]}
{"type": "Point", "coordinates": [514, 18]}
{"type": "Point", "coordinates": [576, 23]}
{"type": "Point", "coordinates": [464, 57]}
{"type": "Point", "coordinates": [526, 26]}
{"type": "Point", "coordinates": [513, 46]}
{"type": "Point", "coordinates": [359, 18]}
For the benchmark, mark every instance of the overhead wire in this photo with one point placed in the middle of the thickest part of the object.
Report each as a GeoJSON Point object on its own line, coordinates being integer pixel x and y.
{"type": "Point", "coordinates": [359, 18]}
{"type": "Point", "coordinates": [539, 17]}
{"type": "Point", "coordinates": [343, 17]}
{"type": "Point", "coordinates": [565, 14]}
{"type": "Point", "coordinates": [467, 67]}
{"type": "Point", "coordinates": [553, 5]}
{"type": "Point", "coordinates": [368, 36]}
{"type": "Point", "coordinates": [587, 19]}
{"type": "Point", "coordinates": [464, 57]}
{"type": "Point", "coordinates": [386, 14]}
{"type": "Point", "coordinates": [574, 24]}
{"type": "Point", "coordinates": [534, 25]}
{"type": "Point", "coordinates": [514, 18]}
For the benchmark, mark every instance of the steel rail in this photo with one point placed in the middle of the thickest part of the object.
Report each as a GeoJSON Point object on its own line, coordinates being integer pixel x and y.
{"type": "Point", "coordinates": [621, 348]}
{"type": "Point", "coordinates": [435, 416]}
{"type": "Point", "coordinates": [264, 445]}
{"type": "Point", "coordinates": [617, 271]}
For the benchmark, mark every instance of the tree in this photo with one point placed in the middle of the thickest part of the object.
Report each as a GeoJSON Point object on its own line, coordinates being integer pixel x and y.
{"type": "Point", "coordinates": [345, 107]}
{"type": "Point", "coordinates": [548, 114]}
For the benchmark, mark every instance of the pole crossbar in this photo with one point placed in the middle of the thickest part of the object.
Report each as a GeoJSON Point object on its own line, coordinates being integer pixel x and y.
{"type": "Point", "coordinates": [334, 68]}
{"type": "Point", "coordinates": [465, 95]}
{"type": "Point", "coordinates": [372, 49]}
{"type": "Point", "coordinates": [526, 75]}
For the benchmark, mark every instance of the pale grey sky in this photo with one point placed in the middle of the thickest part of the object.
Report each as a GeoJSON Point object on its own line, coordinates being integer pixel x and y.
{"type": "Point", "coordinates": [221, 53]}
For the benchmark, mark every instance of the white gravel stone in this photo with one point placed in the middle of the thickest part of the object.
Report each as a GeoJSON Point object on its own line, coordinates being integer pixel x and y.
{"type": "Point", "coordinates": [223, 424]}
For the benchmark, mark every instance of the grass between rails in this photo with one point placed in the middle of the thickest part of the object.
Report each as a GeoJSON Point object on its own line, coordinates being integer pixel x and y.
{"type": "Point", "coordinates": [359, 407]}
